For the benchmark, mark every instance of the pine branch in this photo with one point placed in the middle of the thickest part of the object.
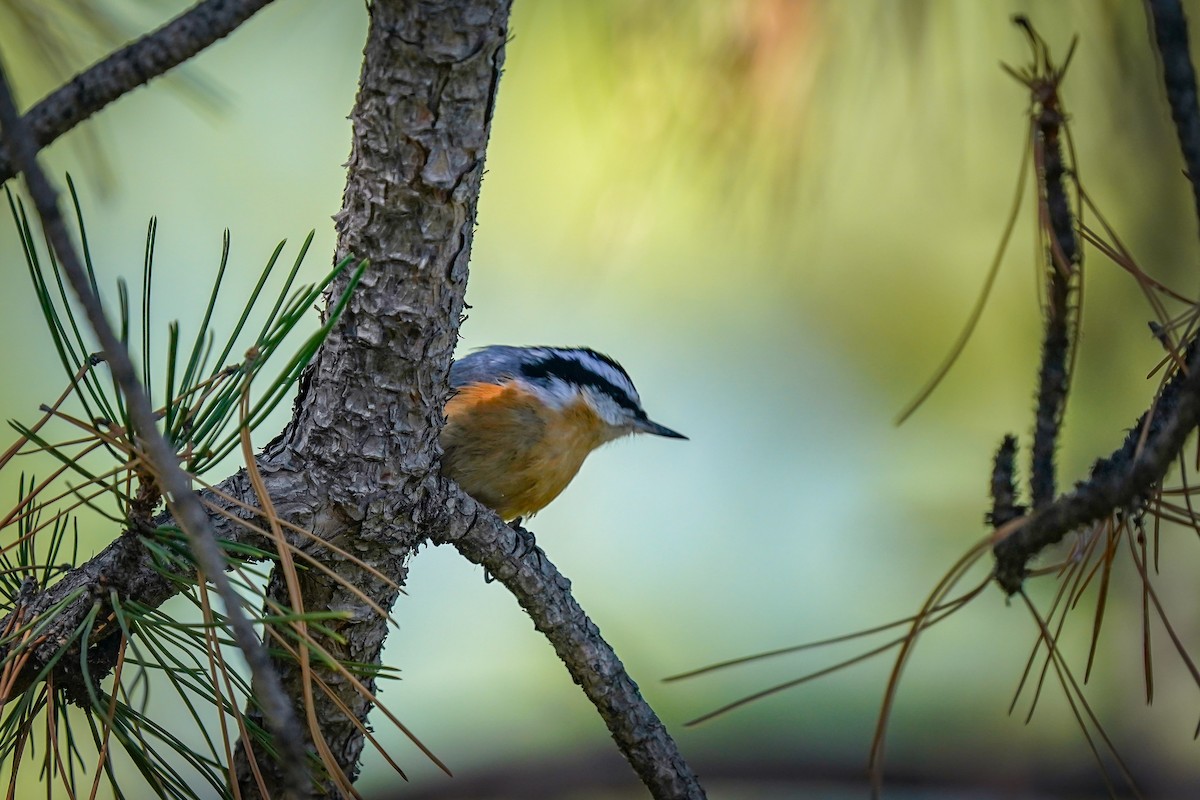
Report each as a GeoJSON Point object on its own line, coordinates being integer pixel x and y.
{"type": "Point", "coordinates": [1117, 482]}
{"type": "Point", "coordinates": [1130, 473]}
{"type": "Point", "coordinates": [160, 458]}
{"type": "Point", "coordinates": [128, 68]}
{"type": "Point", "coordinates": [545, 595]}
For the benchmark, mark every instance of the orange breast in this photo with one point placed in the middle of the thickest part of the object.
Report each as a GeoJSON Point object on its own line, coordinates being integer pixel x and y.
{"type": "Point", "coordinates": [511, 452]}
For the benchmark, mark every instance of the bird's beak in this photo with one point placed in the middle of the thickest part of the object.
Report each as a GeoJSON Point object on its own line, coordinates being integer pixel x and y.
{"type": "Point", "coordinates": [646, 426]}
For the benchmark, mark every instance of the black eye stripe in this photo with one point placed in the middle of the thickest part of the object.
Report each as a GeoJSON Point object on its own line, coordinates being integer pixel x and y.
{"type": "Point", "coordinates": [573, 371]}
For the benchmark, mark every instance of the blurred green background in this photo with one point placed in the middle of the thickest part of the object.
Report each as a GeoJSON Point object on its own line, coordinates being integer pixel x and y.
{"type": "Point", "coordinates": [777, 215]}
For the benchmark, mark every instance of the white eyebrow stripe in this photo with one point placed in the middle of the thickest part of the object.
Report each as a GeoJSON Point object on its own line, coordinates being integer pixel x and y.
{"type": "Point", "coordinates": [616, 377]}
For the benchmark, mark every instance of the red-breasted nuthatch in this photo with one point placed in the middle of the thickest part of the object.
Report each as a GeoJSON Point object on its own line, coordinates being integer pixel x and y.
{"type": "Point", "coordinates": [521, 421]}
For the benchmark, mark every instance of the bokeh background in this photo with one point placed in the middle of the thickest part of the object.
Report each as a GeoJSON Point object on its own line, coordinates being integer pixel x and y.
{"type": "Point", "coordinates": [777, 214]}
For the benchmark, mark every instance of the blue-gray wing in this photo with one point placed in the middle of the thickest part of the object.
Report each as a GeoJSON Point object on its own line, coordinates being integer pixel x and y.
{"type": "Point", "coordinates": [493, 364]}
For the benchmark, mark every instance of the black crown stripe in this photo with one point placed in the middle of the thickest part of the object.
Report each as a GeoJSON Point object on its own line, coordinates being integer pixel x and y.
{"type": "Point", "coordinates": [572, 371]}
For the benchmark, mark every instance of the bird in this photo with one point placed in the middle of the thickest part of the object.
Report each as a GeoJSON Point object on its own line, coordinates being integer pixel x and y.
{"type": "Point", "coordinates": [521, 420]}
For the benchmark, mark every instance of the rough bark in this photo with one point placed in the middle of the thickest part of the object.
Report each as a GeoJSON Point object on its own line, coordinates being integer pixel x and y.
{"type": "Point", "coordinates": [370, 409]}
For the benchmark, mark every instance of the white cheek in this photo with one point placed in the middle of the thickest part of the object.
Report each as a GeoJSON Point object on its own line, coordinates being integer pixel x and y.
{"type": "Point", "coordinates": [554, 393]}
{"type": "Point", "coordinates": [604, 407]}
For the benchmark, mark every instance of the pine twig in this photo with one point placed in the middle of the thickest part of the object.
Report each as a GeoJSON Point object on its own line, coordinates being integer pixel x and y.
{"type": "Point", "coordinates": [1179, 78]}
{"type": "Point", "coordinates": [128, 68]}
{"type": "Point", "coordinates": [1062, 255]}
{"type": "Point", "coordinates": [1004, 491]}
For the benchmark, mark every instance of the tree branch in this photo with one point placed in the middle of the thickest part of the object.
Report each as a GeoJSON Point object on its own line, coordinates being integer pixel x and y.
{"type": "Point", "coordinates": [160, 458]}
{"type": "Point", "coordinates": [1179, 78]}
{"type": "Point", "coordinates": [130, 67]}
{"type": "Point", "coordinates": [545, 595]}
{"type": "Point", "coordinates": [1117, 482]}
{"type": "Point", "coordinates": [1130, 473]}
